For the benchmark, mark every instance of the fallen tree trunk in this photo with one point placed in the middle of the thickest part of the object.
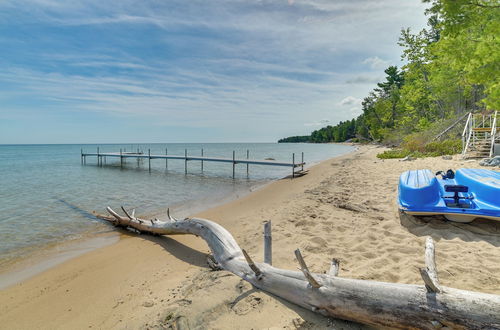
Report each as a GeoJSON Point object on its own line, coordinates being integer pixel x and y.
{"type": "Point", "coordinates": [375, 303]}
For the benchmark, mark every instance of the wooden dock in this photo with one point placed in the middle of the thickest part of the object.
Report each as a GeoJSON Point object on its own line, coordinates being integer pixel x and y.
{"type": "Point", "coordinates": [141, 155]}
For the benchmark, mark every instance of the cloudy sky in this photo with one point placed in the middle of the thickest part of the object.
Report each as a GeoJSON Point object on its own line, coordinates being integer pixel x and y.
{"type": "Point", "coordinates": [76, 71]}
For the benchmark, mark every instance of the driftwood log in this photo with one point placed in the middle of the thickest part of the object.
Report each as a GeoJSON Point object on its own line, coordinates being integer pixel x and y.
{"type": "Point", "coordinates": [429, 306]}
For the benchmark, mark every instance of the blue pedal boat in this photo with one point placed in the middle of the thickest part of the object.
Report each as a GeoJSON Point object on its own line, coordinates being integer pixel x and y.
{"type": "Point", "coordinates": [462, 196]}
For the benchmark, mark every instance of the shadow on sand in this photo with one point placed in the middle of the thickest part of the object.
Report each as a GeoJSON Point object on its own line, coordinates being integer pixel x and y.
{"type": "Point", "coordinates": [173, 247]}
{"type": "Point", "coordinates": [438, 227]}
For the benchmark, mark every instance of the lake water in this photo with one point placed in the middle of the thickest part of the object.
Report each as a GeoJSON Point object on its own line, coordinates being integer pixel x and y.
{"type": "Point", "coordinates": [45, 192]}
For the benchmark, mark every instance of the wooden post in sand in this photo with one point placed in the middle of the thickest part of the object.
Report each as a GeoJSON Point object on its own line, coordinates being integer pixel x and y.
{"type": "Point", "coordinates": [185, 161]}
{"type": "Point", "coordinates": [302, 161]}
{"type": "Point", "coordinates": [293, 165]}
{"type": "Point", "coordinates": [268, 243]}
{"type": "Point", "coordinates": [429, 273]}
{"type": "Point", "coordinates": [202, 160]}
{"type": "Point", "coordinates": [166, 159]}
{"type": "Point", "coordinates": [149, 159]}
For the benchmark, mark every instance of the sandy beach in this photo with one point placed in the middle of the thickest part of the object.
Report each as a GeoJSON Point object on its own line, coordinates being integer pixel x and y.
{"type": "Point", "coordinates": [344, 207]}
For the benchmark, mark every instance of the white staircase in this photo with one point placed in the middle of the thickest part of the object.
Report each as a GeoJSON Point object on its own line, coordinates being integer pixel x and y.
{"type": "Point", "coordinates": [480, 135]}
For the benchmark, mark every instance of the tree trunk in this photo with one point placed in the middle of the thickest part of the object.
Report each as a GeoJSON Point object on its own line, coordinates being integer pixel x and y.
{"type": "Point", "coordinates": [375, 303]}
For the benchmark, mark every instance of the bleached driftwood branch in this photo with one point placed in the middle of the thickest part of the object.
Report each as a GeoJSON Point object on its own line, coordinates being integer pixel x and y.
{"type": "Point", "coordinates": [376, 303]}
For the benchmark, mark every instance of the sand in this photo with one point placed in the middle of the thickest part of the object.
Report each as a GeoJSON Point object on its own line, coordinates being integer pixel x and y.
{"type": "Point", "coordinates": [344, 208]}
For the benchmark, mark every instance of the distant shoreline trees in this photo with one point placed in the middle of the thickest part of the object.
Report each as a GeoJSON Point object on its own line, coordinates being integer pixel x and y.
{"type": "Point", "coordinates": [296, 139]}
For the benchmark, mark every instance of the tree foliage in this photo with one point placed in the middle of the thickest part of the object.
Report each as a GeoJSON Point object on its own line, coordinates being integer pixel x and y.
{"type": "Point", "coordinates": [450, 67]}
{"type": "Point", "coordinates": [296, 139]}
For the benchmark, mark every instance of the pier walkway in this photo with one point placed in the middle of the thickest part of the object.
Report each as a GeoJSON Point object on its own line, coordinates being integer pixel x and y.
{"type": "Point", "coordinates": [141, 155]}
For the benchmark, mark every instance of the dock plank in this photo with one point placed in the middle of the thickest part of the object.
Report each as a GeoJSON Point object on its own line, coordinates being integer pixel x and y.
{"type": "Point", "coordinates": [198, 158]}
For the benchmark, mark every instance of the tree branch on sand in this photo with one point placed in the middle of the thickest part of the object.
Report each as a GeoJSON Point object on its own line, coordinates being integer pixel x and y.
{"type": "Point", "coordinates": [429, 306]}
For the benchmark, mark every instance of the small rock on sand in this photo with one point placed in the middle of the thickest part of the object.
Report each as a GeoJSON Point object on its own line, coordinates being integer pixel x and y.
{"type": "Point", "coordinates": [148, 304]}
{"type": "Point", "coordinates": [407, 159]}
{"type": "Point", "coordinates": [495, 161]}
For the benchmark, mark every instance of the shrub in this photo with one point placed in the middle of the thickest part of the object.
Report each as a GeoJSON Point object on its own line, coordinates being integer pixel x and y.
{"type": "Point", "coordinates": [414, 142]}
{"type": "Point", "coordinates": [416, 148]}
{"type": "Point", "coordinates": [446, 147]}
{"type": "Point", "coordinates": [393, 153]}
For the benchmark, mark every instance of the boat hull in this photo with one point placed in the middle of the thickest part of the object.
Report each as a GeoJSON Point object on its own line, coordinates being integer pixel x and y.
{"type": "Point", "coordinates": [422, 193]}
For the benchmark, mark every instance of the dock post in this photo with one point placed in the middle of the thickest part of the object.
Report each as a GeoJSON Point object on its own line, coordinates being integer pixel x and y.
{"type": "Point", "coordinates": [185, 161]}
{"type": "Point", "coordinates": [293, 166]}
{"type": "Point", "coordinates": [149, 158]}
{"type": "Point", "coordinates": [234, 163]}
{"type": "Point", "coordinates": [302, 161]}
{"type": "Point", "coordinates": [166, 159]}
{"type": "Point", "coordinates": [81, 155]}
{"type": "Point", "coordinates": [202, 159]}
{"type": "Point", "coordinates": [98, 157]}
{"type": "Point", "coordinates": [121, 158]}
{"type": "Point", "coordinates": [248, 154]}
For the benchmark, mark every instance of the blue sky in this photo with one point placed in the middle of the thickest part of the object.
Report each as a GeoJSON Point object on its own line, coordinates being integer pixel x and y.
{"type": "Point", "coordinates": [190, 71]}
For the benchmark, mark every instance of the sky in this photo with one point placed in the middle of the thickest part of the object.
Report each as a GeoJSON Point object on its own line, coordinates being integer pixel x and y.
{"type": "Point", "coordinates": [87, 71]}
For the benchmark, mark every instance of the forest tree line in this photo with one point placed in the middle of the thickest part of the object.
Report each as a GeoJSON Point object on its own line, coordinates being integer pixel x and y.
{"type": "Point", "coordinates": [452, 67]}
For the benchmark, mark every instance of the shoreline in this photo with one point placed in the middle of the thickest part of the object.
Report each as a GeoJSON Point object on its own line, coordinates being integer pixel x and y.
{"type": "Point", "coordinates": [344, 208]}
{"type": "Point", "coordinates": [22, 268]}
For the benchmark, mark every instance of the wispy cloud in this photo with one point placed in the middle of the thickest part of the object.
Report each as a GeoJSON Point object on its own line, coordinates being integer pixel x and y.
{"type": "Point", "coordinates": [376, 62]}
{"type": "Point", "coordinates": [365, 79]}
{"type": "Point", "coordinates": [272, 64]}
{"type": "Point", "coordinates": [350, 100]}
{"type": "Point", "coordinates": [323, 122]}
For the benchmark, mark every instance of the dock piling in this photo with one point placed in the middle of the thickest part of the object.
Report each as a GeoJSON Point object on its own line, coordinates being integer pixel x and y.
{"type": "Point", "coordinates": [149, 158]}
{"type": "Point", "coordinates": [185, 161]}
{"type": "Point", "coordinates": [248, 154]}
{"type": "Point", "coordinates": [81, 155]}
{"type": "Point", "coordinates": [166, 159]}
{"type": "Point", "coordinates": [202, 160]}
{"type": "Point", "coordinates": [234, 163]}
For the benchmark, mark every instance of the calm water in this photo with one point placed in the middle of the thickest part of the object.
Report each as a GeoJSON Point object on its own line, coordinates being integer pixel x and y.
{"type": "Point", "coordinates": [45, 192]}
